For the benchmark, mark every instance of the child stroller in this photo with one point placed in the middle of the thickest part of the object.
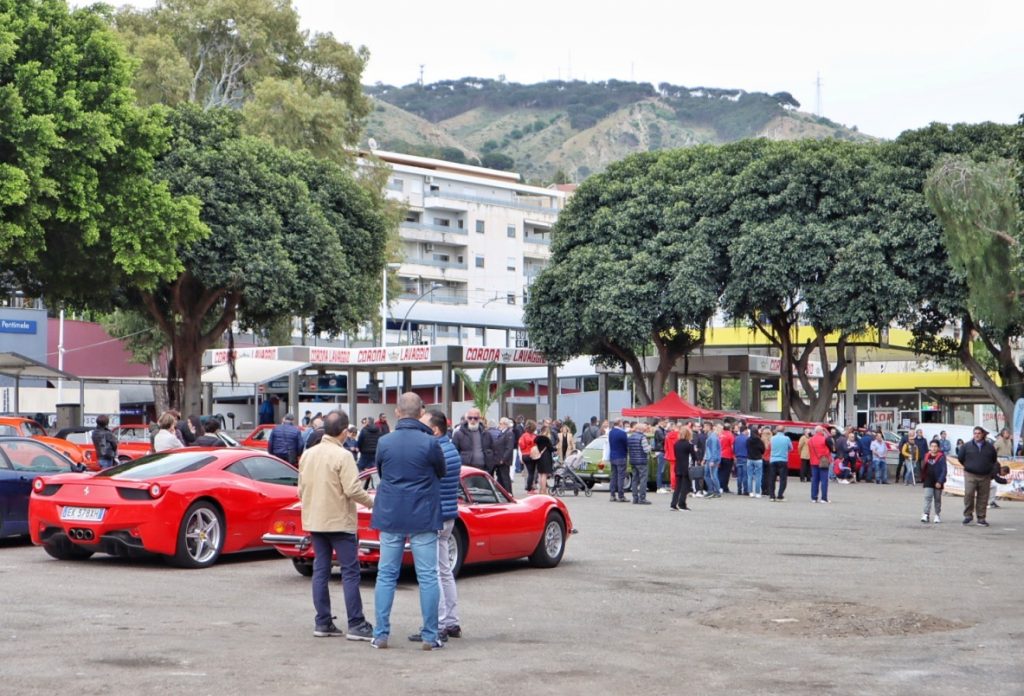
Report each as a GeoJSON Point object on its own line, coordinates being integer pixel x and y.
{"type": "Point", "coordinates": [565, 478]}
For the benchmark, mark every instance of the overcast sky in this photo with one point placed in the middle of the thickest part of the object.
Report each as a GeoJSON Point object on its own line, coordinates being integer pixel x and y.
{"type": "Point", "coordinates": [885, 66]}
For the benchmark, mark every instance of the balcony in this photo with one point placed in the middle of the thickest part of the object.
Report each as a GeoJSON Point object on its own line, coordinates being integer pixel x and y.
{"type": "Point", "coordinates": [424, 232]}
{"type": "Point", "coordinates": [437, 298]}
{"type": "Point", "coordinates": [446, 200]}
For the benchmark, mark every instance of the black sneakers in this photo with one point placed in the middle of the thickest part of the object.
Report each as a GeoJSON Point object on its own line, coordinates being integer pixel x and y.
{"type": "Point", "coordinates": [451, 632]}
{"type": "Point", "coordinates": [442, 636]}
{"type": "Point", "coordinates": [364, 631]}
{"type": "Point", "coordinates": [328, 631]}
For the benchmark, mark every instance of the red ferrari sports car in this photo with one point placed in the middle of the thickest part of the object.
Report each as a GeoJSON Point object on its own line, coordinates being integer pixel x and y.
{"type": "Point", "coordinates": [492, 526]}
{"type": "Point", "coordinates": [190, 505]}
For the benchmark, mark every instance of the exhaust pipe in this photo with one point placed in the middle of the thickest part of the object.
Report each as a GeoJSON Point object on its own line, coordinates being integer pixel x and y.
{"type": "Point", "coordinates": [82, 534]}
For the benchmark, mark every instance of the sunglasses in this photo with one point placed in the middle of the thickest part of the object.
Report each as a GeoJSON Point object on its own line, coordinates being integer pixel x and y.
{"type": "Point", "coordinates": [472, 418]}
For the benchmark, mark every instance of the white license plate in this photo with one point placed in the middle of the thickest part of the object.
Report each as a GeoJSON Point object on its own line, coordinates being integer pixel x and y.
{"type": "Point", "coordinates": [82, 514]}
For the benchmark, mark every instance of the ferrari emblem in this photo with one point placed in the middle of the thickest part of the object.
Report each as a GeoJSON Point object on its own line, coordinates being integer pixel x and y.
{"type": "Point", "coordinates": [86, 491]}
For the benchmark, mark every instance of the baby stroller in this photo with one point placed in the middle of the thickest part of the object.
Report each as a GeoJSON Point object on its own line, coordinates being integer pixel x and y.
{"type": "Point", "coordinates": [565, 478]}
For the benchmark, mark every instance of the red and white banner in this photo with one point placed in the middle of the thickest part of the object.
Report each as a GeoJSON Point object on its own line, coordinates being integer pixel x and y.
{"type": "Point", "coordinates": [503, 356]}
{"type": "Point", "coordinates": [220, 355]}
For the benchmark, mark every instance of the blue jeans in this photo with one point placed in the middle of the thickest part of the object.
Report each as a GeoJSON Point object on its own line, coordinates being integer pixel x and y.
{"type": "Point", "coordinates": [742, 477]}
{"type": "Point", "coordinates": [711, 477]}
{"type": "Point", "coordinates": [755, 467]}
{"type": "Point", "coordinates": [881, 471]}
{"type": "Point", "coordinates": [661, 470]}
{"type": "Point", "coordinates": [617, 484]}
{"type": "Point", "coordinates": [424, 555]}
{"type": "Point", "coordinates": [344, 545]}
{"type": "Point", "coordinates": [106, 463]}
{"type": "Point", "coordinates": [819, 478]}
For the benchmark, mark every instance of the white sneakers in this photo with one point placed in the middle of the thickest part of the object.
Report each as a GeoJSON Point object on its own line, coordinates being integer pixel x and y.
{"type": "Point", "coordinates": [937, 520]}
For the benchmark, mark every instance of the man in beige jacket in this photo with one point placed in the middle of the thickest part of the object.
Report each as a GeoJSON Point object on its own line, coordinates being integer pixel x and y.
{"type": "Point", "coordinates": [329, 488]}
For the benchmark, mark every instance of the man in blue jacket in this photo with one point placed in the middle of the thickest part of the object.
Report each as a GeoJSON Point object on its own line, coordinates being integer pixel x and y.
{"type": "Point", "coordinates": [615, 450]}
{"type": "Point", "coordinates": [408, 504]}
{"type": "Point", "coordinates": [447, 610]}
{"type": "Point", "coordinates": [864, 451]}
{"type": "Point", "coordinates": [285, 441]}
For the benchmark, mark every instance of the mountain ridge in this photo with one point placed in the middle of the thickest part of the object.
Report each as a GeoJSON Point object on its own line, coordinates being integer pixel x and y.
{"type": "Point", "coordinates": [566, 130]}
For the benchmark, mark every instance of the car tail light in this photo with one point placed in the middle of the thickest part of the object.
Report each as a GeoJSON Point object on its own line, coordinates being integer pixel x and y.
{"type": "Point", "coordinates": [38, 485]}
{"type": "Point", "coordinates": [282, 527]}
{"type": "Point", "coordinates": [155, 490]}
{"type": "Point", "coordinates": [600, 466]}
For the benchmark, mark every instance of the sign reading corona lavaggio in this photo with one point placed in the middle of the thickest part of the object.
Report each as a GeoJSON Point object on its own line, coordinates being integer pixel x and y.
{"type": "Point", "coordinates": [220, 356]}
{"type": "Point", "coordinates": [502, 356]}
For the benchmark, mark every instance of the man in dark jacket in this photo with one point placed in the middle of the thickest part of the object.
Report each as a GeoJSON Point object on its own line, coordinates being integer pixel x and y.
{"type": "Point", "coordinates": [921, 443]}
{"type": "Point", "coordinates": [864, 452]}
{"type": "Point", "coordinates": [474, 443]}
{"type": "Point", "coordinates": [104, 442]}
{"type": "Point", "coordinates": [504, 453]}
{"type": "Point", "coordinates": [285, 441]}
{"type": "Point", "coordinates": [981, 465]}
{"type": "Point", "coordinates": [408, 505]}
{"type": "Point", "coordinates": [366, 443]}
{"type": "Point", "coordinates": [209, 439]}
{"type": "Point", "coordinates": [447, 613]}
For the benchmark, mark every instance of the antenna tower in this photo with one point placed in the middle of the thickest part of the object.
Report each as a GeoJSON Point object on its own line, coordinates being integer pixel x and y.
{"type": "Point", "coordinates": [817, 94]}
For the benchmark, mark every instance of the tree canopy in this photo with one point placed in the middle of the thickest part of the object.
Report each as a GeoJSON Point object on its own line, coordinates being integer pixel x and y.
{"type": "Point", "coordinates": [290, 235]}
{"type": "Point", "coordinates": [79, 213]}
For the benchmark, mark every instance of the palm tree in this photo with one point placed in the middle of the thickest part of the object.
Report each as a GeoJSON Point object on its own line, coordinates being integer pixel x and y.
{"type": "Point", "coordinates": [480, 390]}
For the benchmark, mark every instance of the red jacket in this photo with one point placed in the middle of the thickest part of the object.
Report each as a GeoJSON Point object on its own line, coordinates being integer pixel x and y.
{"type": "Point", "coordinates": [727, 439]}
{"type": "Point", "coordinates": [671, 438]}
{"type": "Point", "coordinates": [526, 443]}
{"type": "Point", "coordinates": [818, 448]}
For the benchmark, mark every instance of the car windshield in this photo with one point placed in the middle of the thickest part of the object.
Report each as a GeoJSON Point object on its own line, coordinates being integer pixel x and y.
{"type": "Point", "coordinates": [33, 430]}
{"type": "Point", "coordinates": [28, 455]}
{"type": "Point", "coordinates": [227, 439]}
{"type": "Point", "coordinates": [596, 444]}
{"type": "Point", "coordinates": [162, 464]}
{"type": "Point", "coordinates": [133, 434]}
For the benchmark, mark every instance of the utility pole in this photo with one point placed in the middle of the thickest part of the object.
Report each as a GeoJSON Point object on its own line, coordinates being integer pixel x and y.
{"type": "Point", "coordinates": [817, 92]}
{"type": "Point", "coordinates": [421, 74]}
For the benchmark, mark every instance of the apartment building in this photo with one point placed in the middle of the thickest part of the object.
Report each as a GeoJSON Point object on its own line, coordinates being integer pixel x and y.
{"type": "Point", "coordinates": [473, 240]}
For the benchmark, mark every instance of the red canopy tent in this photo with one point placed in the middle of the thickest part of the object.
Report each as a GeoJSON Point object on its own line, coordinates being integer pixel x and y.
{"type": "Point", "coordinates": [672, 406]}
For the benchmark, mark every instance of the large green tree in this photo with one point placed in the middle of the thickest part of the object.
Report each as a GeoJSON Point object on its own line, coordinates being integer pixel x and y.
{"type": "Point", "coordinates": [813, 224]}
{"type": "Point", "coordinates": [79, 213]}
{"type": "Point", "coordinates": [943, 321]}
{"type": "Point", "coordinates": [299, 90]}
{"type": "Point", "coordinates": [290, 235]}
{"type": "Point", "coordinates": [637, 264]}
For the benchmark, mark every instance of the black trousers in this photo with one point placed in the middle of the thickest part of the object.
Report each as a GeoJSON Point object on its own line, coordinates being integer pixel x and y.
{"type": "Point", "coordinates": [805, 469]}
{"type": "Point", "coordinates": [778, 470]}
{"type": "Point", "coordinates": [724, 472]}
{"type": "Point", "coordinates": [502, 474]}
{"type": "Point", "coordinates": [680, 491]}
{"type": "Point", "coordinates": [531, 472]}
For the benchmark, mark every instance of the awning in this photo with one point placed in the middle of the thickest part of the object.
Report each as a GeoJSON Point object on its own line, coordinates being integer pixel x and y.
{"type": "Point", "coordinates": [18, 366]}
{"type": "Point", "coordinates": [253, 371]}
{"type": "Point", "coordinates": [672, 406]}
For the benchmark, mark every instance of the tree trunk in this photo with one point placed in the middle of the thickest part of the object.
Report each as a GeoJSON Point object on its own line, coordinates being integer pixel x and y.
{"type": "Point", "coordinates": [1003, 397]}
{"type": "Point", "coordinates": [786, 372]}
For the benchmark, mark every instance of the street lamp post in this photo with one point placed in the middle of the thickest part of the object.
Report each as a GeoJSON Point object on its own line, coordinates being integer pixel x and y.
{"type": "Point", "coordinates": [384, 303]}
{"type": "Point", "coordinates": [432, 288]}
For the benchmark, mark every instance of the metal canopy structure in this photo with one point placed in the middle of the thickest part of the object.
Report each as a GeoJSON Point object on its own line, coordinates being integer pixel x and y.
{"type": "Point", "coordinates": [264, 364]}
{"type": "Point", "coordinates": [252, 371]}
{"type": "Point", "coordinates": [16, 366]}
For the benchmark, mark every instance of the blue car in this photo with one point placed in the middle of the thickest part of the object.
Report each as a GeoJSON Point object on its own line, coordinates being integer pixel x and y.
{"type": "Point", "coordinates": [21, 461]}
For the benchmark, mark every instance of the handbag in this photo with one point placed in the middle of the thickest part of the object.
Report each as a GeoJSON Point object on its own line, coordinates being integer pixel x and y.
{"type": "Point", "coordinates": [697, 472]}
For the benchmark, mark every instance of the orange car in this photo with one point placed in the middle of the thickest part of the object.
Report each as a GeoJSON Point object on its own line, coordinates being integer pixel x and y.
{"type": "Point", "coordinates": [17, 426]}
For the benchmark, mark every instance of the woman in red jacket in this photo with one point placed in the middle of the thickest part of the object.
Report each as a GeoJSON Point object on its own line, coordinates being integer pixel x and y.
{"type": "Point", "coordinates": [526, 441]}
{"type": "Point", "coordinates": [670, 453]}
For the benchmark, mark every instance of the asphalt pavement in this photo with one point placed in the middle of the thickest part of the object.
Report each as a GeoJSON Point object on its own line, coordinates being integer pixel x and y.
{"type": "Point", "coordinates": [737, 596]}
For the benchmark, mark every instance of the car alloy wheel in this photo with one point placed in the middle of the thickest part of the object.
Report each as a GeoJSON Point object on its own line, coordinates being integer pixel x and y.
{"type": "Point", "coordinates": [202, 535]}
{"type": "Point", "coordinates": [551, 545]}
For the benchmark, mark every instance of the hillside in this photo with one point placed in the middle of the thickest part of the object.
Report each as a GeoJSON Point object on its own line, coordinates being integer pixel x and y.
{"type": "Point", "coordinates": [576, 128]}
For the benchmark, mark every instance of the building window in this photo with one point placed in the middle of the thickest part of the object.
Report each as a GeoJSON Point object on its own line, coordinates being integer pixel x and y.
{"type": "Point", "coordinates": [462, 223]}
{"type": "Point", "coordinates": [480, 226]}
{"type": "Point", "coordinates": [510, 264]}
{"type": "Point", "coordinates": [479, 261]}
{"type": "Point", "coordinates": [442, 222]}
{"type": "Point", "coordinates": [396, 185]}
{"type": "Point", "coordinates": [511, 297]}
{"type": "Point", "coordinates": [511, 231]}
{"type": "Point", "coordinates": [412, 216]}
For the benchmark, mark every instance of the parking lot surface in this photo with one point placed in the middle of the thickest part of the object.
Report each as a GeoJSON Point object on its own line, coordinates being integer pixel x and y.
{"type": "Point", "coordinates": [737, 596]}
